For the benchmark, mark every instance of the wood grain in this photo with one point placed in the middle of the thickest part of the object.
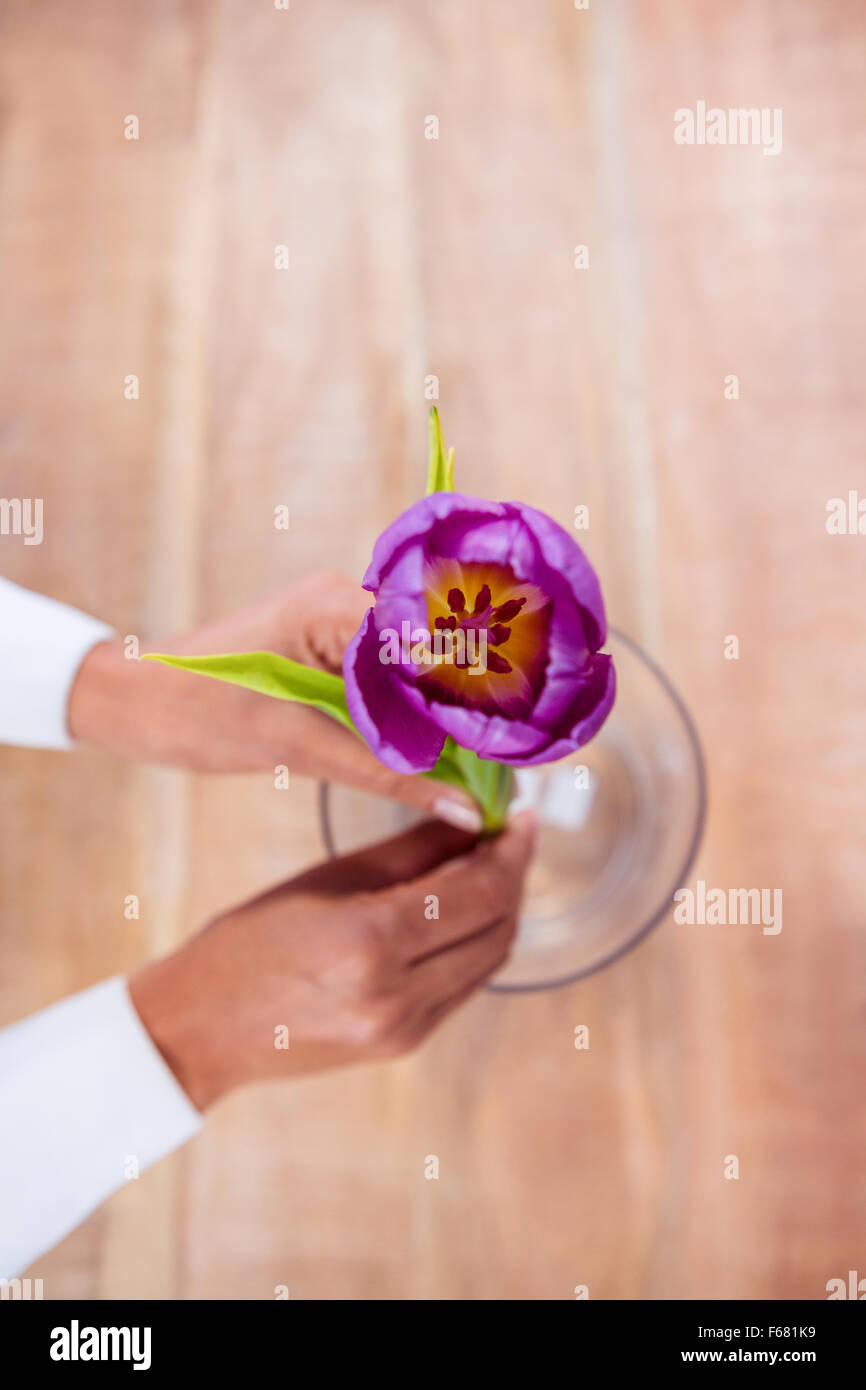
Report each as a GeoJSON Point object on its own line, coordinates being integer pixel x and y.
{"type": "Point", "coordinates": [605, 386]}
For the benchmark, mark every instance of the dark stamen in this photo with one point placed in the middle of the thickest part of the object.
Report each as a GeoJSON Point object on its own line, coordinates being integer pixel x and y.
{"type": "Point", "coordinates": [497, 663]}
{"type": "Point", "coordinates": [482, 600]}
{"type": "Point", "coordinates": [498, 634]}
{"type": "Point", "coordinates": [456, 600]}
{"type": "Point", "coordinates": [506, 611]}
{"type": "Point", "coordinates": [448, 623]}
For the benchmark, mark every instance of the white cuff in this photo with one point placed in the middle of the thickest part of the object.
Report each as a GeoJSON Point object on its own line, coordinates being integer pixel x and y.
{"type": "Point", "coordinates": [42, 645]}
{"type": "Point", "coordinates": [87, 1103]}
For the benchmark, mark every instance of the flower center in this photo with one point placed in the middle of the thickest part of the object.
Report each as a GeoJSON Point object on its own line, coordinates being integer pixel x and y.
{"type": "Point", "coordinates": [486, 625]}
{"type": "Point", "coordinates": [498, 625]}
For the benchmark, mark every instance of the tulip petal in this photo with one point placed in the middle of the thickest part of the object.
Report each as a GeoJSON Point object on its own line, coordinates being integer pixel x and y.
{"type": "Point", "coordinates": [402, 736]}
{"type": "Point", "coordinates": [524, 744]}
{"type": "Point", "coordinates": [417, 522]}
{"type": "Point", "coordinates": [564, 557]}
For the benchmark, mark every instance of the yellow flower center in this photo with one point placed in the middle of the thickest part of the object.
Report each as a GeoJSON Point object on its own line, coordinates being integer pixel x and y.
{"type": "Point", "coordinates": [496, 653]}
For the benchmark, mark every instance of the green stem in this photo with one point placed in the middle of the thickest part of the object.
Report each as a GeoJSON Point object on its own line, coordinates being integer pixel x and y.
{"type": "Point", "coordinates": [490, 784]}
{"type": "Point", "coordinates": [496, 813]}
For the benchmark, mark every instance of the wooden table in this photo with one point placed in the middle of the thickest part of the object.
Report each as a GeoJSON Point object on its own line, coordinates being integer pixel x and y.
{"type": "Point", "coordinates": [602, 386]}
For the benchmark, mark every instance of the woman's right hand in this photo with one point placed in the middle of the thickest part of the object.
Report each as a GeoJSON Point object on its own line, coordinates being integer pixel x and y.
{"type": "Point", "coordinates": [353, 960]}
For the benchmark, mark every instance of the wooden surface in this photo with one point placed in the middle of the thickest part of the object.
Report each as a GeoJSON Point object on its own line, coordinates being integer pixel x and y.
{"type": "Point", "coordinates": [602, 386]}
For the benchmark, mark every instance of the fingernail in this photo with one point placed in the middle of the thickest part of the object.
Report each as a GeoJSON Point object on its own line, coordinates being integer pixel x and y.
{"type": "Point", "coordinates": [456, 813]}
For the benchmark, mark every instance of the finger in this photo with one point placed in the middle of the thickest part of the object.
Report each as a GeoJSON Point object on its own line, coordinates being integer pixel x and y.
{"type": "Point", "coordinates": [403, 857]}
{"type": "Point", "coordinates": [427, 794]}
{"type": "Point", "coordinates": [346, 758]}
{"type": "Point", "coordinates": [335, 606]}
{"type": "Point", "coordinates": [460, 898]}
{"type": "Point", "coordinates": [328, 639]}
{"type": "Point", "coordinates": [456, 971]}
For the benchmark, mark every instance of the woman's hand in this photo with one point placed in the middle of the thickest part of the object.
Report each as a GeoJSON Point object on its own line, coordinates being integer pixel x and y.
{"type": "Point", "coordinates": [154, 713]}
{"type": "Point", "coordinates": [354, 960]}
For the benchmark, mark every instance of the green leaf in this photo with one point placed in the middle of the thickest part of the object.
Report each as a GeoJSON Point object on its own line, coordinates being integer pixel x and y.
{"type": "Point", "coordinates": [449, 472]}
{"type": "Point", "coordinates": [270, 674]}
{"type": "Point", "coordinates": [440, 469]}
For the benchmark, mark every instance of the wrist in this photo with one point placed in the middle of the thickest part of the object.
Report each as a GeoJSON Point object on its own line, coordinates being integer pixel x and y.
{"type": "Point", "coordinates": [96, 695]}
{"type": "Point", "coordinates": [130, 708]}
{"type": "Point", "coordinates": [171, 1010]}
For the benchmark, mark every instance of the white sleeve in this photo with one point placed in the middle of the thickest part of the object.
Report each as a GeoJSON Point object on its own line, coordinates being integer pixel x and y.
{"type": "Point", "coordinates": [42, 645]}
{"type": "Point", "coordinates": [86, 1103]}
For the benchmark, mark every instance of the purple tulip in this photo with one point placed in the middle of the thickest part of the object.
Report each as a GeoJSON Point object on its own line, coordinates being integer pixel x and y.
{"type": "Point", "coordinates": [464, 576]}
